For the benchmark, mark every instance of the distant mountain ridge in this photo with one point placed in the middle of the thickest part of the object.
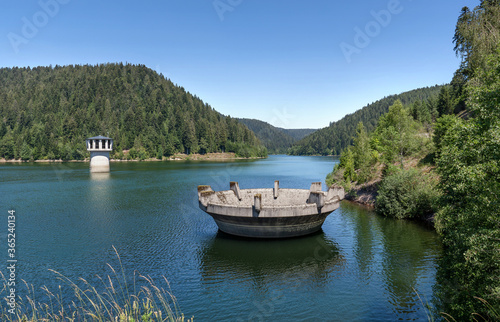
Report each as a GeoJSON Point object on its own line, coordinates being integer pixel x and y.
{"type": "Point", "coordinates": [277, 140]}
{"type": "Point", "coordinates": [298, 134]}
{"type": "Point", "coordinates": [338, 135]}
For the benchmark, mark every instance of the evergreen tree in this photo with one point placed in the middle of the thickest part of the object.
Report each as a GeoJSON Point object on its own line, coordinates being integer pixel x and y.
{"type": "Point", "coordinates": [445, 102]}
{"type": "Point", "coordinates": [25, 151]}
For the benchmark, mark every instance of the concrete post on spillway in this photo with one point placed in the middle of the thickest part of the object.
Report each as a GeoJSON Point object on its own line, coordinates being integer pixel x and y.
{"type": "Point", "coordinates": [99, 147]}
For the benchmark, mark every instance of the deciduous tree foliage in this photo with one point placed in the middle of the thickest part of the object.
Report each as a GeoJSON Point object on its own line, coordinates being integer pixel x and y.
{"type": "Point", "coordinates": [397, 136]}
{"type": "Point", "coordinates": [469, 164]}
{"type": "Point", "coordinates": [46, 113]}
{"type": "Point", "coordinates": [396, 131]}
{"type": "Point", "coordinates": [364, 157]}
{"type": "Point", "coordinates": [407, 194]}
{"type": "Point", "coordinates": [469, 222]}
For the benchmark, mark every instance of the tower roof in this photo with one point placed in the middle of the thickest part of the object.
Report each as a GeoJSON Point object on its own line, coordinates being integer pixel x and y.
{"type": "Point", "coordinates": [99, 137]}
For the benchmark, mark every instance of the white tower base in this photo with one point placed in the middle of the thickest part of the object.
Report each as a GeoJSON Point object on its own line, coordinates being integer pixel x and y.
{"type": "Point", "coordinates": [99, 161]}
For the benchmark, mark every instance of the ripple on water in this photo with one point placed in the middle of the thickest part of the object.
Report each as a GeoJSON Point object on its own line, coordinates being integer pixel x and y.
{"type": "Point", "coordinates": [360, 267]}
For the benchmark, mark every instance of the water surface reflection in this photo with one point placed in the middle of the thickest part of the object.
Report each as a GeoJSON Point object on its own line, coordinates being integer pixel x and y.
{"type": "Point", "coordinates": [361, 267]}
{"type": "Point", "coordinates": [314, 257]}
{"type": "Point", "coordinates": [395, 256]}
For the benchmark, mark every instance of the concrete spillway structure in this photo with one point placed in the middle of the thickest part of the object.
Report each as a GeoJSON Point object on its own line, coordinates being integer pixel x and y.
{"type": "Point", "coordinates": [99, 147]}
{"type": "Point", "coordinates": [269, 213]}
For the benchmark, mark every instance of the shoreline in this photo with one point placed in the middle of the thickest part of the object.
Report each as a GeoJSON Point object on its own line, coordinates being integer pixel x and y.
{"type": "Point", "coordinates": [313, 155]}
{"type": "Point", "coordinates": [227, 156]}
{"type": "Point", "coordinates": [365, 195]}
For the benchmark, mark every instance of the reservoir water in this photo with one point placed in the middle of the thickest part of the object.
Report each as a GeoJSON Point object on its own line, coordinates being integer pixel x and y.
{"type": "Point", "coordinates": [360, 267]}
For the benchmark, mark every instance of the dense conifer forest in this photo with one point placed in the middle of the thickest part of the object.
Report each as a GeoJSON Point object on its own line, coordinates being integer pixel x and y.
{"type": "Point", "coordinates": [47, 112]}
{"type": "Point", "coordinates": [336, 137]}
{"type": "Point", "coordinates": [276, 140]}
{"type": "Point", "coordinates": [298, 134]}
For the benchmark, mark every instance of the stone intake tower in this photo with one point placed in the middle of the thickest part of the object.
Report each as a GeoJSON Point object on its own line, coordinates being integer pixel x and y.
{"type": "Point", "coordinates": [99, 147]}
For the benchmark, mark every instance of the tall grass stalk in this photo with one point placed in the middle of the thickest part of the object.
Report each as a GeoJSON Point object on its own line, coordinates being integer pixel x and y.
{"type": "Point", "coordinates": [426, 306]}
{"type": "Point", "coordinates": [110, 301]}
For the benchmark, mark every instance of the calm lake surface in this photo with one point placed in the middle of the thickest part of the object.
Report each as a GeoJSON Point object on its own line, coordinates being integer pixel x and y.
{"type": "Point", "coordinates": [361, 267]}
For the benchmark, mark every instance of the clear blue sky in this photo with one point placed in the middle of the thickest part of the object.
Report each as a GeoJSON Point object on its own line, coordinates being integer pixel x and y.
{"type": "Point", "coordinates": [294, 64]}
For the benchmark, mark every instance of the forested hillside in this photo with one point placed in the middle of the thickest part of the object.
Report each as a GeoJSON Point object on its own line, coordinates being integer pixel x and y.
{"type": "Point", "coordinates": [275, 139]}
{"type": "Point", "coordinates": [298, 134]}
{"type": "Point", "coordinates": [448, 172]}
{"type": "Point", "coordinates": [46, 113]}
{"type": "Point", "coordinates": [336, 137]}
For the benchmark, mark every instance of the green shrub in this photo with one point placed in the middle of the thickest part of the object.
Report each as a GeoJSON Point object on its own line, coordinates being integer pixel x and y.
{"type": "Point", "coordinates": [407, 194]}
{"type": "Point", "coordinates": [390, 169]}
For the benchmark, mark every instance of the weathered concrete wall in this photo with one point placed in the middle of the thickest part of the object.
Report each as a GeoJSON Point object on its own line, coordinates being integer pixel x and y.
{"type": "Point", "coordinates": [285, 197]}
{"type": "Point", "coordinates": [99, 161]}
{"type": "Point", "coordinates": [270, 227]}
{"type": "Point", "coordinates": [269, 213]}
{"type": "Point", "coordinates": [335, 193]}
